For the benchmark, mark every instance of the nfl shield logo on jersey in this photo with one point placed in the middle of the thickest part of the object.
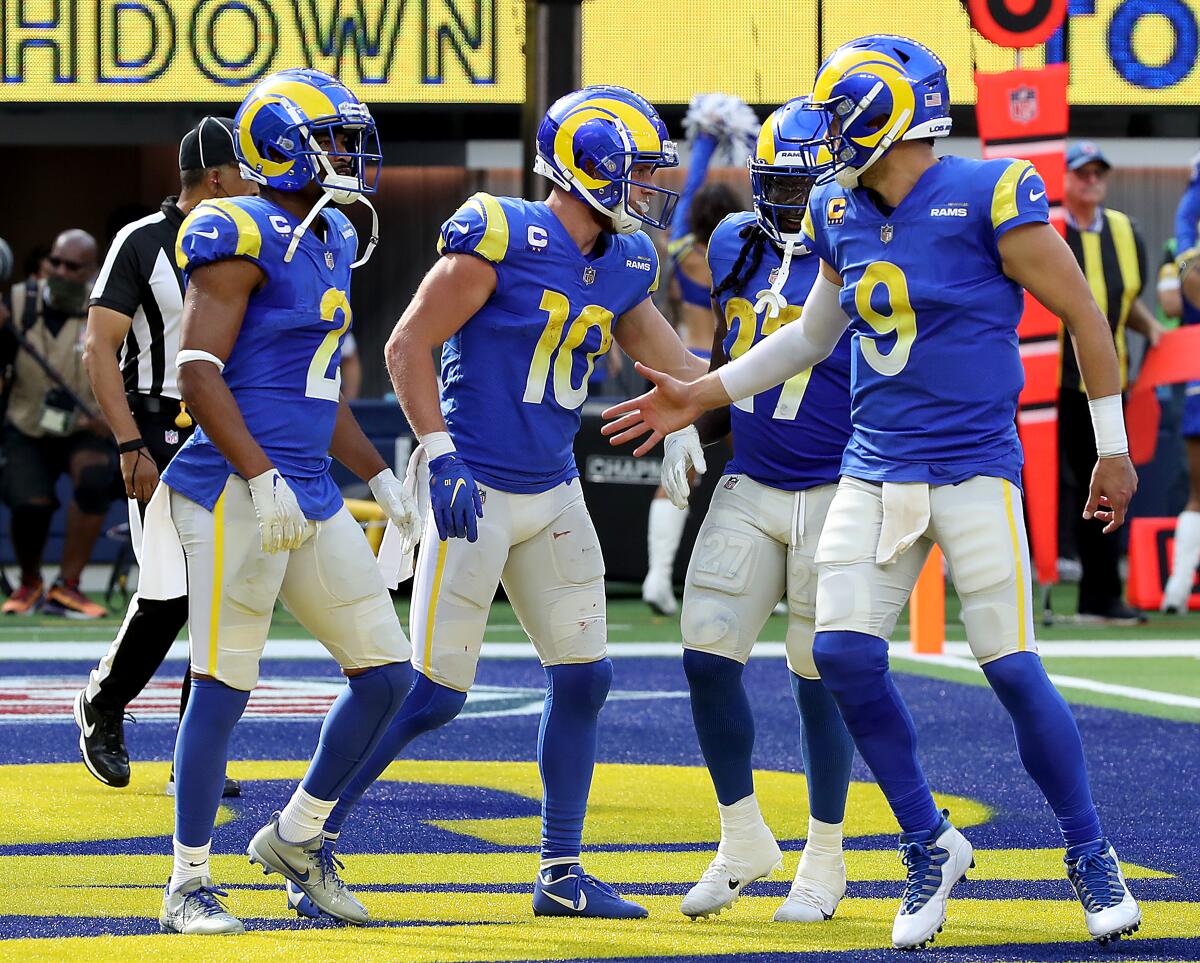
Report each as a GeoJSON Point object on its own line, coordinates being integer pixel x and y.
{"type": "Point", "coordinates": [1023, 104]}
{"type": "Point", "coordinates": [886, 233]}
{"type": "Point", "coordinates": [589, 275]}
{"type": "Point", "coordinates": [329, 260]}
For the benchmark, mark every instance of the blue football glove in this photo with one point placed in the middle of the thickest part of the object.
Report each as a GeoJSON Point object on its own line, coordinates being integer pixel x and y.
{"type": "Point", "coordinates": [454, 498]}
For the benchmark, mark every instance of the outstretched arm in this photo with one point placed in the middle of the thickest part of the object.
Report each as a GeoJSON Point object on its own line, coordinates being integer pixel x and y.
{"type": "Point", "coordinates": [645, 335]}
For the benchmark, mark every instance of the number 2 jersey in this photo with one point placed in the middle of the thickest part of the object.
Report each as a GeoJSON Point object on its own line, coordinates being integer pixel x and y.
{"type": "Point", "coordinates": [516, 374]}
{"type": "Point", "coordinates": [936, 368]}
{"type": "Point", "coordinates": [284, 369]}
{"type": "Point", "coordinates": [793, 436]}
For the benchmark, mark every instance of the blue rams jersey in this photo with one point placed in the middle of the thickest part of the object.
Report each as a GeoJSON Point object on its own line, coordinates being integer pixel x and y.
{"type": "Point", "coordinates": [936, 369]}
{"type": "Point", "coordinates": [284, 369]}
{"type": "Point", "coordinates": [793, 436]}
{"type": "Point", "coordinates": [515, 376]}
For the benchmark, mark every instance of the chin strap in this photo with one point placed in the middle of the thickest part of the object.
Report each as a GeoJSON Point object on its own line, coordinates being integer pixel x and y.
{"type": "Point", "coordinates": [772, 298]}
{"type": "Point", "coordinates": [337, 188]}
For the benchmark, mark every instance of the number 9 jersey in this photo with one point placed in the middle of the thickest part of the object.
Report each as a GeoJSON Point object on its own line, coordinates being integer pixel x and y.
{"type": "Point", "coordinates": [284, 369]}
{"type": "Point", "coordinates": [936, 368]}
{"type": "Point", "coordinates": [515, 376]}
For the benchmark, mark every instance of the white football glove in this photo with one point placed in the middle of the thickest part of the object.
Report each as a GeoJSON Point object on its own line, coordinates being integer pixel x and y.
{"type": "Point", "coordinates": [397, 504]}
{"type": "Point", "coordinates": [280, 521]}
{"type": "Point", "coordinates": [682, 452]}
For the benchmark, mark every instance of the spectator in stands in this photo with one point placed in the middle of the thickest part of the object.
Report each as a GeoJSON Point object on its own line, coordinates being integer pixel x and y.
{"type": "Point", "coordinates": [1112, 254]}
{"type": "Point", "coordinates": [47, 433]}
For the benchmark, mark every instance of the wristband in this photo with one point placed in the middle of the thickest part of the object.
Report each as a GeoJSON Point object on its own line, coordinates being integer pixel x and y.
{"type": "Point", "coordinates": [1108, 423]}
{"type": "Point", "coordinates": [127, 446]}
{"type": "Point", "coordinates": [436, 444]}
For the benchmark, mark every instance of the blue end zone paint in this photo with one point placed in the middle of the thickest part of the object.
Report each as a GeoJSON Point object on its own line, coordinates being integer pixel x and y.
{"type": "Point", "coordinates": [1143, 772]}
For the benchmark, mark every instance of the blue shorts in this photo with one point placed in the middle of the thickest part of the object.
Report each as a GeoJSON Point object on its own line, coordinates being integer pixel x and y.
{"type": "Point", "coordinates": [1191, 411]}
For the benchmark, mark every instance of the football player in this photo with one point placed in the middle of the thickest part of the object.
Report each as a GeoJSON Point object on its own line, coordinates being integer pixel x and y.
{"type": "Point", "coordinates": [759, 537]}
{"type": "Point", "coordinates": [524, 300]}
{"type": "Point", "coordinates": [250, 495]}
{"type": "Point", "coordinates": [925, 260]}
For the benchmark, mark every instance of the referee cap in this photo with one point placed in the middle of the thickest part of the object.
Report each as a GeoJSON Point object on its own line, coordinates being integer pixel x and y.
{"type": "Point", "coordinates": [208, 144]}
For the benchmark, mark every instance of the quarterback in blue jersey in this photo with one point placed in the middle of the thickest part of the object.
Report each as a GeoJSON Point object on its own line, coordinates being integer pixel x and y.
{"type": "Point", "coordinates": [249, 497]}
{"type": "Point", "coordinates": [760, 535]}
{"type": "Point", "coordinates": [925, 260]}
{"type": "Point", "coordinates": [525, 299]}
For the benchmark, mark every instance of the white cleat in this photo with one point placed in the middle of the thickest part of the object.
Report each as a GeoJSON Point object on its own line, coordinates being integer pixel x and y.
{"type": "Point", "coordinates": [936, 861]}
{"type": "Point", "coordinates": [194, 909]}
{"type": "Point", "coordinates": [659, 594]}
{"type": "Point", "coordinates": [1175, 597]}
{"type": "Point", "coordinates": [1108, 907]}
{"type": "Point", "coordinates": [737, 864]}
{"type": "Point", "coordinates": [819, 886]}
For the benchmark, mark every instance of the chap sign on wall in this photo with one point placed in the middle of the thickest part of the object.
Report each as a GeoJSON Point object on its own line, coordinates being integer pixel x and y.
{"type": "Point", "coordinates": [470, 51]}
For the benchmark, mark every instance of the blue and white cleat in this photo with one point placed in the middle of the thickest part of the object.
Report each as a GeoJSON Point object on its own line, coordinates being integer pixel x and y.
{"type": "Point", "coordinates": [299, 902]}
{"type": "Point", "coordinates": [578, 894]}
{"type": "Point", "coordinates": [195, 909]}
{"type": "Point", "coordinates": [936, 860]}
{"type": "Point", "coordinates": [1108, 907]}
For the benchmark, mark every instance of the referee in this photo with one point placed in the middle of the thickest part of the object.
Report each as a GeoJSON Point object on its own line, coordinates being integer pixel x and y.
{"type": "Point", "coordinates": [132, 340]}
{"type": "Point", "coordinates": [1112, 254]}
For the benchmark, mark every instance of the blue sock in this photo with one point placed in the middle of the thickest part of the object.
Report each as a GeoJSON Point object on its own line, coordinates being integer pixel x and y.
{"type": "Point", "coordinates": [1048, 743]}
{"type": "Point", "coordinates": [567, 742]}
{"type": "Point", "coordinates": [354, 725]}
{"type": "Point", "coordinates": [827, 748]}
{"type": "Point", "coordinates": [201, 751]}
{"type": "Point", "coordinates": [428, 706]}
{"type": "Point", "coordinates": [854, 667]}
{"type": "Point", "coordinates": [724, 722]}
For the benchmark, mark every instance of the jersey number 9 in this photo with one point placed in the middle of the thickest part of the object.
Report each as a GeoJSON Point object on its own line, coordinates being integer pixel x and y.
{"type": "Point", "coordinates": [902, 321]}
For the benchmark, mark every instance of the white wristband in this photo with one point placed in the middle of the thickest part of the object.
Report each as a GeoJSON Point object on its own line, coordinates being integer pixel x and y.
{"type": "Point", "coordinates": [1108, 423]}
{"type": "Point", "coordinates": [436, 444]}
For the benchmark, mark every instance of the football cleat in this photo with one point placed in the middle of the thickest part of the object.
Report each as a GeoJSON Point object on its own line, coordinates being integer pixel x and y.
{"type": "Point", "coordinates": [738, 863]}
{"type": "Point", "coordinates": [659, 594]}
{"type": "Point", "coordinates": [25, 599]}
{"type": "Point", "coordinates": [936, 860]}
{"type": "Point", "coordinates": [66, 600]}
{"type": "Point", "coordinates": [1108, 907]}
{"type": "Point", "coordinates": [819, 886]}
{"type": "Point", "coordinates": [196, 910]}
{"type": "Point", "coordinates": [102, 742]}
{"type": "Point", "coordinates": [299, 902]}
{"type": "Point", "coordinates": [312, 866]}
{"type": "Point", "coordinates": [578, 894]}
{"type": "Point", "coordinates": [231, 790]}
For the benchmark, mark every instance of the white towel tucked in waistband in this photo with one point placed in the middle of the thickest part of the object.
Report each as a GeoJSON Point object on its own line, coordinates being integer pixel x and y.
{"type": "Point", "coordinates": [905, 519]}
{"type": "Point", "coordinates": [162, 568]}
{"type": "Point", "coordinates": [395, 558]}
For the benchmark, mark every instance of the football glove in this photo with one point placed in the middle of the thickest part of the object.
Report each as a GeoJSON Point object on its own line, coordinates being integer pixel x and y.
{"type": "Point", "coordinates": [682, 452]}
{"type": "Point", "coordinates": [454, 498]}
{"type": "Point", "coordinates": [281, 523]}
{"type": "Point", "coordinates": [397, 504]}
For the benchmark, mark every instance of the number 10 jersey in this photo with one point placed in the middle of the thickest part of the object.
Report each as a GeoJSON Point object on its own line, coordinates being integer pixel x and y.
{"type": "Point", "coordinates": [935, 364]}
{"type": "Point", "coordinates": [515, 376]}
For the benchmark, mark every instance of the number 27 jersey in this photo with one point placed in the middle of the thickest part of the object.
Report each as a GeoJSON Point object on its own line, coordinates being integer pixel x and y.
{"type": "Point", "coordinates": [515, 376]}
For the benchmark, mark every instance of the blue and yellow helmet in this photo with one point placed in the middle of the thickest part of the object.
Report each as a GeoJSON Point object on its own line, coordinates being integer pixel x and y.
{"type": "Point", "coordinates": [879, 90]}
{"type": "Point", "coordinates": [791, 155]}
{"type": "Point", "coordinates": [276, 128]}
{"type": "Point", "coordinates": [590, 141]}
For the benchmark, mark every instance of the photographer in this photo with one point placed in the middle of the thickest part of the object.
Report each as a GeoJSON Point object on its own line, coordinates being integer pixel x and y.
{"type": "Point", "coordinates": [47, 433]}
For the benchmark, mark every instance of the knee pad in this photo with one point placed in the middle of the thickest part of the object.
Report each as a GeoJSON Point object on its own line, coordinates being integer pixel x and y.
{"type": "Point", "coordinates": [583, 685]}
{"type": "Point", "coordinates": [708, 624]}
{"type": "Point", "coordinates": [852, 664]}
{"type": "Point", "coordinates": [94, 491]}
{"type": "Point", "coordinates": [798, 644]}
{"type": "Point", "coordinates": [430, 706]}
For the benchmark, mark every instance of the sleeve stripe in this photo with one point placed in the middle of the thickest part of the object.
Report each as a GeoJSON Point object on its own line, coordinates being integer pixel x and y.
{"type": "Point", "coordinates": [494, 243]}
{"type": "Point", "coordinates": [249, 239]}
{"type": "Point", "coordinates": [1004, 197]}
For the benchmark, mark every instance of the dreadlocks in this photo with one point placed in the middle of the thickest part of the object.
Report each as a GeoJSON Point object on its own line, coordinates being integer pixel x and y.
{"type": "Point", "coordinates": [754, 242]}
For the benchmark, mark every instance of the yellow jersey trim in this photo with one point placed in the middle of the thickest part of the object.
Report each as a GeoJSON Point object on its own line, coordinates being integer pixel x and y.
{"type": "Point", "coordinates": [1004, 196]}
{"type": "Point", "coordinates": [218, 589]}
{"type": "Point", "coordinates": [494, 243]}
{"type": "Point", "coordinates": [1022, 631]}
{"type": "Point", "coordinates": [434, 591]}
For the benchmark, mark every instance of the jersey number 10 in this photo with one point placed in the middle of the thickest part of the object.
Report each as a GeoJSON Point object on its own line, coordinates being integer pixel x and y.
{"type": "Point", "coordinates": [558, 308]}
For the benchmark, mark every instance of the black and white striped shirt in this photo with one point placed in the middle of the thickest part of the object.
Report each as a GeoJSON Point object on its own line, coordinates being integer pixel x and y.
{"type": "Point", "coordinates": [140, 280]}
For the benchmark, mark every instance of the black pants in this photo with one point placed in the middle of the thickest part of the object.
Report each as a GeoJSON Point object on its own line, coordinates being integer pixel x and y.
{"type": "Point", "coordinates": [1099, 554]}
{"type": "Point", "coordinates": [150, 626]}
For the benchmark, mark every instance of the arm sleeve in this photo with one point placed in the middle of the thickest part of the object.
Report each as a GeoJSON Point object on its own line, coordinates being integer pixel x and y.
{"type": "Point", "coordinates": [702, 154]}
{"type": "Point", "coordinates": [218, 230]}
{"type": "Point", "coordinates": [118, 286]}
{"type": "Point", "coordinates": [794, 348]}
{"type": "Point", "coordinates": [1019, 197]}
{"type": "Point", "coordinates": [479, 227]}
